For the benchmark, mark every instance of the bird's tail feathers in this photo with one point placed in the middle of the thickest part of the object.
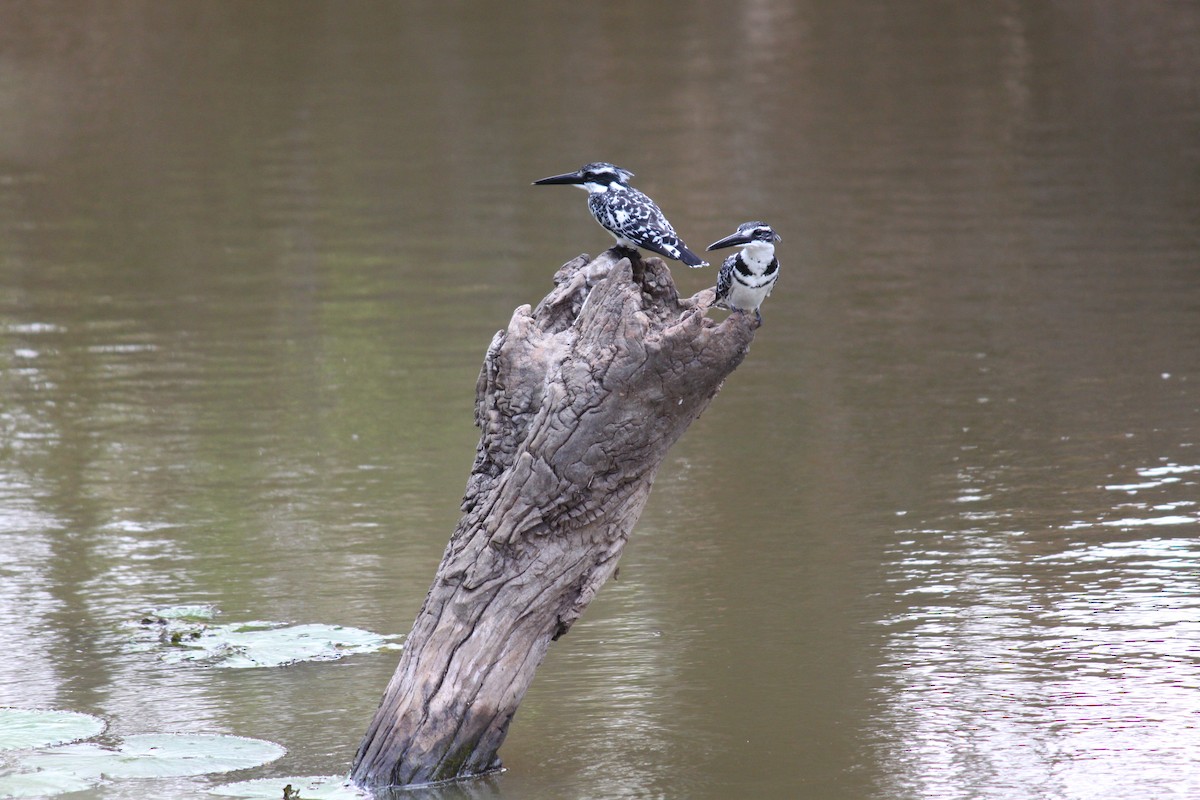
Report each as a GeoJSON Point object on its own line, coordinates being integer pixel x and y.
{"type": "Point", "coordinates": [691, 259]}
{"type": "Point", "coordinates": [675, 249]}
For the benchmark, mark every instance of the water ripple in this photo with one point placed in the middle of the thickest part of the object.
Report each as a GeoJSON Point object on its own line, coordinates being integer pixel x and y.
{"type": "Point", "coordinates": [1049, 664]}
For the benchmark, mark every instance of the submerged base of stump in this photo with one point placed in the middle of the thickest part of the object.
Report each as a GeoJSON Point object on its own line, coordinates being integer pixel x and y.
{"type": "Point", "coordinates": [578, 402]}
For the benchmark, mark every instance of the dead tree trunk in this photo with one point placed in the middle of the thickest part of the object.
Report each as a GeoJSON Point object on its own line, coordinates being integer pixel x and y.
{"type": "Point", "coordinates": [578, 402]}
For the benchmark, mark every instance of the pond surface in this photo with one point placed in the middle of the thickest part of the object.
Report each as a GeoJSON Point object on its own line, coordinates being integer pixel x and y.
{"type": "Point", "coordinates": [938, 537]}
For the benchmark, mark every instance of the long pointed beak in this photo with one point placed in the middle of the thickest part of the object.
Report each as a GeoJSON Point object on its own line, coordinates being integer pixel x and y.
{"type": "Point", "coordinates": [729, 241]}
{"type": "Point", "coordinates": [567, 177]}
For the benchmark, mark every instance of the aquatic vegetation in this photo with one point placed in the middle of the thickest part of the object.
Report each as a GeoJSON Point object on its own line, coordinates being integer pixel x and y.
{"type": "Point", "coordinates": [43, 753]}
{"type": "Point", "coordinates": [28, 728]}
{"type": "Point", "coordinates": [157, 755]}
{"type": "Point", "coordinates": [73, 767]}
{"type": "Point", "coordinates": [42, 784]}
{"type": "Point", "coordinates": [309, 787]}
{"type": "Point", "coordinates": [189, 636]}
{"type": "Point", "coordinates": [24, 728]}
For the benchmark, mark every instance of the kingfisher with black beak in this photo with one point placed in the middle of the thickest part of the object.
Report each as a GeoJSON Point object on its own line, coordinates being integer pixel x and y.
{"type": "Point", "coordinates": [630, 216]}
{"type": "Point", "coordinates": [747, 277]}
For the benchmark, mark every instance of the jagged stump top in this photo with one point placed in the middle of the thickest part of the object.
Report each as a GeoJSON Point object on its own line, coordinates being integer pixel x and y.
{"type": "Point", "coordinates": [606, 323]}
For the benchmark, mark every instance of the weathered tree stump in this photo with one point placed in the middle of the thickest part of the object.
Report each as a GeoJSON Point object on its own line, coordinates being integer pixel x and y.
{"type": "Point", "coordinates": [578, 402]}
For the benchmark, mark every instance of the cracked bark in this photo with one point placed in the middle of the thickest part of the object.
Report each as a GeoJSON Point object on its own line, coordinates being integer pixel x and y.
{"type": "Point", "coordinates": [578, 402]}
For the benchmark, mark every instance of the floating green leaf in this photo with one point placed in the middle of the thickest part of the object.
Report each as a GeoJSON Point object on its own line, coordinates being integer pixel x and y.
{"type": "Point", "coordinates": [266, 644]}
{"type": "Point", "coordinates": [192, 612]}
{"type": "Point", "coordinates": [156, 756]}
{"type": "Point", "coordinates": [42, 784]}
{"type": "Point", "coordinates": [27, 727]}
{"type": "Point", "coordinates": [321, 787]}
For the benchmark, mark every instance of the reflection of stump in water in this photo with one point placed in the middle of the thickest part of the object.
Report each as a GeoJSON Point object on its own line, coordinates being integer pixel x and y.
{"type": "Point", "coordinates": [578, 403]}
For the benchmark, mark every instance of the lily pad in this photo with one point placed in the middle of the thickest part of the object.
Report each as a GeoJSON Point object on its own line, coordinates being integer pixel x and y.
{"type": "Point", "coordinates": [156, 755]}
{"type": "Point", "coordinates": [192, 612]}
{"type": "Point", "coordinates": [268, 644]}
{"type": "Point", "coordinates": [308, 787]}
{"type": "Point", "coordinates": [26, 727]}
{"type": "Point", "coordinates": [42, 784]}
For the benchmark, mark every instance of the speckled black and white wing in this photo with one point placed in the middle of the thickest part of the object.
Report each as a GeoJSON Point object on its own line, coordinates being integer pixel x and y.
{"type": "Point", "coordinates": [725, 278]}
{"type": "Point", "coordinates": [636, 221]}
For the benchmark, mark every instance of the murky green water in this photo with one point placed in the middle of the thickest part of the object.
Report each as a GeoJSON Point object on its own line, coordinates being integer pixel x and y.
{"type": "Point", "coordinates": [939, 536]}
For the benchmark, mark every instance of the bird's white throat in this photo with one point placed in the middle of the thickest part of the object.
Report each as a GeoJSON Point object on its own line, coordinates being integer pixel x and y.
{"type": "Point", "coordinates": [758, 255]}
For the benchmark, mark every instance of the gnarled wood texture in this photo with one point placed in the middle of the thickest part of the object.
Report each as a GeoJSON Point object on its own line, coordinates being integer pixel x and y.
{"type": "Point", "coordinates": [578, 401]}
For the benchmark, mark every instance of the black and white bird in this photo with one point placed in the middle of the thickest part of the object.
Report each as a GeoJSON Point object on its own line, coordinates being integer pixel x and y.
{"type": "Point", "coordinates": [630, 216]}
{"type": "Point", "coordinates": [747, 277]}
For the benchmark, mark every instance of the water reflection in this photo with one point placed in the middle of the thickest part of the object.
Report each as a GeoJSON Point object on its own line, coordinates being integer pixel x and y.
{"type": "Point", "coordinates": [936, 536]}
{"type": "Point", "coordinates": [1048, 664]}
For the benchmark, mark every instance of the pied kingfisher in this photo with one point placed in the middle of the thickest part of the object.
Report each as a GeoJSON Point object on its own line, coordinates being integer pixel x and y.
{"type": "Point", "coordinates": [747, 277]}
{"type": "Point", "coordinates": [626, 213]}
